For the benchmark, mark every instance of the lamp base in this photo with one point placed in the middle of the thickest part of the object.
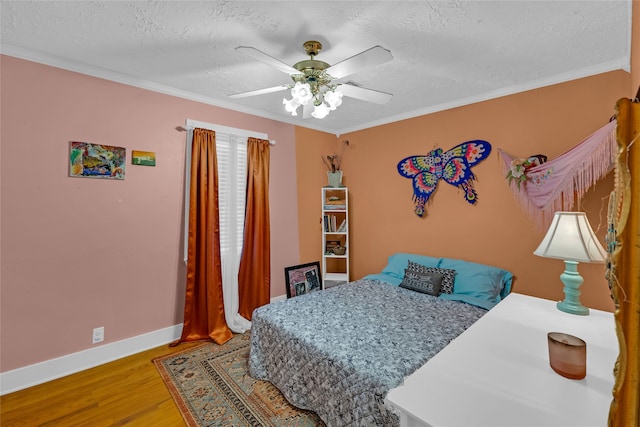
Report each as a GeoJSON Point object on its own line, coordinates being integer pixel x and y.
{"type": "Point", "coordinates": [572, 281]}
{"type": "Point", "coordinates": [572, 308]}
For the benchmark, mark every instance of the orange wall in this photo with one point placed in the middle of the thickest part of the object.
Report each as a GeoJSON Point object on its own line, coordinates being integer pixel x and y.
{"type": "Point", "coordinates": [496, 230]}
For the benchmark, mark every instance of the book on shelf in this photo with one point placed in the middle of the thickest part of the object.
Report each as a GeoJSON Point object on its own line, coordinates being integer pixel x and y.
{"type": "Point", "coordinates": [335, 207]}
{"type": "Point", "coordinates": [330, 223]}
{"type": "Point", "coordinates": [327, 223]}
{"type": "Point", "coordinates": [343, 226]}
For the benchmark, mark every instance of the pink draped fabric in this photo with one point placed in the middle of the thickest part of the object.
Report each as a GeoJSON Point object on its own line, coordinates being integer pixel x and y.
{"type": "Point", "coordinates": [559, 183]}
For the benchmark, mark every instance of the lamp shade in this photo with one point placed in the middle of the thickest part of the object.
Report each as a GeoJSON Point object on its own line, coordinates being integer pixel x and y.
{"type": "Point", "coordinates": [570, 237]}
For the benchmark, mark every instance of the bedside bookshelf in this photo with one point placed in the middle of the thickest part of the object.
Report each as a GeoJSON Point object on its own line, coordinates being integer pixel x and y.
{"type": "Point", "coordinates": [335, 232]}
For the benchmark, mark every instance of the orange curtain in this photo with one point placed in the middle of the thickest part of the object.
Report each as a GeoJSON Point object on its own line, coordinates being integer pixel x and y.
{"type": "Point", "coordinates": [254, 277]}
{"type": "Point", "coordinates": [204, 306]}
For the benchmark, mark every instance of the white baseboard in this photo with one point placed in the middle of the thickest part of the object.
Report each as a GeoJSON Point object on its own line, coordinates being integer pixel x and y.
{"type": "Point", "coordinates": [52, 369]}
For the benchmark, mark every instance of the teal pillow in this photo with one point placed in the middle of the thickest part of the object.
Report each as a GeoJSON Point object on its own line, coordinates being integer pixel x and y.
{"type": "Point", "coordinates": [479, 281]}
{"type": "Point", "coordinates": [399, 261]}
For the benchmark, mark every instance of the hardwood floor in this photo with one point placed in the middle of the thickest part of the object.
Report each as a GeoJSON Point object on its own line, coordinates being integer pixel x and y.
{"type": "Point", "coordinates": [128, 392]}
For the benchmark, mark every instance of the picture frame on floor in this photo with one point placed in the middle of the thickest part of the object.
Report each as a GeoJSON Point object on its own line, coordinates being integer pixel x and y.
{"type": "Point", "coordinates": [303, 279]}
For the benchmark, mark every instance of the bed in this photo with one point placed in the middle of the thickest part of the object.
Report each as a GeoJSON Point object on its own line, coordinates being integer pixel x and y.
{"type": "Point", "coordinates": [339, 351]}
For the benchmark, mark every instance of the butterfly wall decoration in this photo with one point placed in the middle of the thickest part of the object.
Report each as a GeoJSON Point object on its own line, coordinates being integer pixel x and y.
{"type": "Point", "coordinates": [453, 166]}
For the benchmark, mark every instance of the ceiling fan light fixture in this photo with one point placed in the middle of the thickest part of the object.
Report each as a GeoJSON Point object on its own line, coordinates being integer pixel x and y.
{"type": "Point", "coordinates": [333, 98]}
{"type": "Point", "coordinates": [291, 106]}
{"type": "Point", "coordinates": [301, 93]}
{"type": "Point", "coordinates": [325, 99]}
{"type": "Point", "coordinates": [320, 111]}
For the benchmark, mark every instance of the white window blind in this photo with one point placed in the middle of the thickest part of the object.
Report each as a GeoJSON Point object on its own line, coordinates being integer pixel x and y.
{"type": "Point", "coordinates": [232, 178]}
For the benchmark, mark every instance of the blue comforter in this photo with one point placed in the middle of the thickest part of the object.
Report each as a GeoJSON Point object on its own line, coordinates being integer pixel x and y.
{"type": "Point", "coordinates": [339, 351]}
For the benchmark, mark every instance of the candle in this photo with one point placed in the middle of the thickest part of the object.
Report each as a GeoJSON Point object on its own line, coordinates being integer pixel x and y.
{"type": "Point", "coordinates": [567, 355]}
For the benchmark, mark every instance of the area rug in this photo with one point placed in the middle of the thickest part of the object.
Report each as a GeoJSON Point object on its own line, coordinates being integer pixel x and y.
{"type": "Point", "coordinates": [212, 387]}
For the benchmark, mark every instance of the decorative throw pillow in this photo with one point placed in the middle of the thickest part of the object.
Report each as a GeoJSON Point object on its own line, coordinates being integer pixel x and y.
{"type": "Point", "coordinates": [424, 282]}
{"type": "Point", "coordinates": [448, 275]}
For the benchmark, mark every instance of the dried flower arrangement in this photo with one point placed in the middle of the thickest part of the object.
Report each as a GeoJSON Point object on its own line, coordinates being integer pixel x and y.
{"type": "Point", "coordinates": [520, 167]}
{"type": "Point", "coordinates": [333, 161]}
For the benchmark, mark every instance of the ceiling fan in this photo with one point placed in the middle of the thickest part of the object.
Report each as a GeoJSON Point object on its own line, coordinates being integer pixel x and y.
{"type": "Point", "coordinates": [317, 84]}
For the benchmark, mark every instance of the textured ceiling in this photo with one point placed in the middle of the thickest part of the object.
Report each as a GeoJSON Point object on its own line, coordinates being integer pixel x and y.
{"type": "Point", "coordinates": [445, 53]}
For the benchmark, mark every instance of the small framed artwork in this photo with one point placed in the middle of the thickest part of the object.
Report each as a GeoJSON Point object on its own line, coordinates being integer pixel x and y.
{"type": "Point", "coordinates": [96, 161]}
{"type": "Point", "coordinates": [303, 279]}
{"type": "Point", "coordinates": [143, 158]}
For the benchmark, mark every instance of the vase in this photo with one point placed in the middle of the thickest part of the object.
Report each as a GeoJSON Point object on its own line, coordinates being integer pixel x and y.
{"type": "Point", "coordinates": [335, 178]}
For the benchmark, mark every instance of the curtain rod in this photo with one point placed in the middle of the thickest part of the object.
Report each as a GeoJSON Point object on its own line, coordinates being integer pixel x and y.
{"type": "Point", "coordinates": [184, 129]}
{"type": "Point", "coordinates": [192, 124]}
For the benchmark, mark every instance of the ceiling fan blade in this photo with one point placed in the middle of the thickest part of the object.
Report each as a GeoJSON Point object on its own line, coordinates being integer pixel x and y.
{"type": "Point", "coordinates": [369, 58]}
{"type": "Point", "coordinates": [266, 59]}
{"type": "Point", "coordinates": [368, 95]}
{"type": "Point", "coordinates": [258, 92]}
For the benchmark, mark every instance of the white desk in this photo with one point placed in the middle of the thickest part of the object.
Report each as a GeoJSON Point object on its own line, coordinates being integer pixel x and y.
{"type": "Point", "coordinates": [497, 372]}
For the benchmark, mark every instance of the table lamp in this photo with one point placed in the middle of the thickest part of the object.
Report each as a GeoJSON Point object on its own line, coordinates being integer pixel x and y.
{"type": "Point", "coordinates": [571, 238]}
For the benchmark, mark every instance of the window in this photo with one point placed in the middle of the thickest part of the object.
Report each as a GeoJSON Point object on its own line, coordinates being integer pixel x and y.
{"type": "Point", "coordinates": [231, 149]}
{"type": "Point", "coordinates": [232, 184]}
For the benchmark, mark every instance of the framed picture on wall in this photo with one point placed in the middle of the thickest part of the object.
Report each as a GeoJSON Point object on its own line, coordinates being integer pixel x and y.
{"type": "Point", "coordinates": [96, 160]}
{"type": "Point", "coordinates": [302, 279]}
{"type": "Point", "coordinates": [143, 158]}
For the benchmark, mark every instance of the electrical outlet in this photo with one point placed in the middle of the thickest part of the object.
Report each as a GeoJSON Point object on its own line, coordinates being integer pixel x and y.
{"type": "Point", "coordinates": [98, 334]}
